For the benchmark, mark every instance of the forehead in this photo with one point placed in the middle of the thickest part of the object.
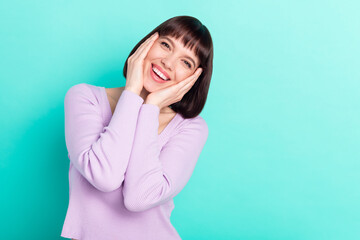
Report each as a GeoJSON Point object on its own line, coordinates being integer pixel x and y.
{"type": "Point", "coordinates": [180, 45]}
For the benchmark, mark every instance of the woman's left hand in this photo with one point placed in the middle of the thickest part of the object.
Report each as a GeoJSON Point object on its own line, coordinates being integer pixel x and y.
{"type": "Point", "coordinates": [167, 96]}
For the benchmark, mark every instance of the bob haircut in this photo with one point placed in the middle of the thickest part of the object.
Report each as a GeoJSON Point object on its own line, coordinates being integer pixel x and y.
{"type": "Point", "coordinates": [192, 34]}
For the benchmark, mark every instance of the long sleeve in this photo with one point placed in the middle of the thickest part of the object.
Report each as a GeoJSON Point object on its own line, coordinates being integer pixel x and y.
{"type": "Point", "coordinates": [100, 153]}
{"type": "Point", "coordinates": [155, 176]}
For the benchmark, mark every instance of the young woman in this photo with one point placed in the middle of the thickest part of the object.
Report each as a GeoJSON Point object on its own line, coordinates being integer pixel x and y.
{"type": "Point", "coordinates": [132, 149]}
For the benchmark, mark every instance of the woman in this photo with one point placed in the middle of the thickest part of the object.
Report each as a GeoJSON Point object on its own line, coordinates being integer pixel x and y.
{"type": "Point", "coordinates": [133, 149]}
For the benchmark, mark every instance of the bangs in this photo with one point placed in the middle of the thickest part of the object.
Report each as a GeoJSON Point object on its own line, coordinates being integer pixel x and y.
{"type": "Point", "coordinates": [192, 37]}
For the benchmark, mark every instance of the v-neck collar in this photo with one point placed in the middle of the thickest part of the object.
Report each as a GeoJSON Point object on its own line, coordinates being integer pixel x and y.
{"type": "Point", "coordinates": [109, 113]}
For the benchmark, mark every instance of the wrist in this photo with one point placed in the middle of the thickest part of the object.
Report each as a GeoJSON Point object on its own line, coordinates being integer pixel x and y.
{"type": "Point", "coordinates": [150, 102]}
{"type": "Point", "coordinates": [132, 90]}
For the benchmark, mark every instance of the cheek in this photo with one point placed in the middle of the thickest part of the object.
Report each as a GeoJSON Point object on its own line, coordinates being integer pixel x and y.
{"type": "Point", "coordinates": [155, 51]}
{"type": "Point", "coordinates": [183, 74]}
{"type": "Point", "coordinates": [152, 52]}
{"type": "Point", "coordinates": [150, 55]}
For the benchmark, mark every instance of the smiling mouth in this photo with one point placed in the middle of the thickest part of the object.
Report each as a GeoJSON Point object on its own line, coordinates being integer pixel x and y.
{"type": "Point", "coordinates": [156, 76]}
{"type": "Point", "coordinates": [159, 74]}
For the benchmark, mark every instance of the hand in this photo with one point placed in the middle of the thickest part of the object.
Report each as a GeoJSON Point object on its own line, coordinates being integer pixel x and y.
{"type": "Point", "coordinates": [135, 65]}
{"type": "Point", "coordinates": [167, 96]}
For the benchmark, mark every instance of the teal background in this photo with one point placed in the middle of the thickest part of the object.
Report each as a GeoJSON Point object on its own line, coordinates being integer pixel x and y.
{"type": "Point", "coordinates": [282, 158]}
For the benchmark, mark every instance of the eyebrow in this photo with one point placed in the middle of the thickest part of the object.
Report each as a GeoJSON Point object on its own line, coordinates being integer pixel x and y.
{"type": "Point", "coordinates": [185, 55]}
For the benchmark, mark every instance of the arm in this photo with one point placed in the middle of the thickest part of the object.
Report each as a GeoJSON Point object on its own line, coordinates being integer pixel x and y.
{"type": "Point", "coordinates": [99, 153]}
{"type": "Point", "coordinates": [153, 177]}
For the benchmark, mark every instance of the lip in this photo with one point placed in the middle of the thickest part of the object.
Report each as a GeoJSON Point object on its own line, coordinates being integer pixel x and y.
{"type": "Point", "coordinates": [155, 77]}
{"type": "Point", "coordinates": [161, 70]}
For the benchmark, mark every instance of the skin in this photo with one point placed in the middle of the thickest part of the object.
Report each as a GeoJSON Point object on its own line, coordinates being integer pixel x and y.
{"type": "Point", "coordinates": [170, 55]}
{"type": "Point", "coordinates": [178, 62]}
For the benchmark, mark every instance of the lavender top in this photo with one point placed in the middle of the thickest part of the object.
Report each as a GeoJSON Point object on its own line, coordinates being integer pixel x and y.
{"type": "Point", "coordinates": [123, 175]}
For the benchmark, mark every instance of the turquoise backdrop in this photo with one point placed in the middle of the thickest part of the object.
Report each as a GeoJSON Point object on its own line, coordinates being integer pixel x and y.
{"type": "Point", "coordinates": [282, 158]}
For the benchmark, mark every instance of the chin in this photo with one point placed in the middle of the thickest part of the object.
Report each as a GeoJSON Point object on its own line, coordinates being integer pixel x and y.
{"type": "Point", "coordinates": [148, 86]}
{"type": "Point", "coordinates": [151, 86]}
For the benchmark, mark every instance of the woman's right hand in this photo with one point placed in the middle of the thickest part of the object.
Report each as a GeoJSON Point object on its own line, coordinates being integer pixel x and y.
{"type": "Point", "coordinates": [135, 65]}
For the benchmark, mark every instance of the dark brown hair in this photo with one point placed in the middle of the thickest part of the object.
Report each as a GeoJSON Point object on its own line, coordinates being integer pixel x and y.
{"type": "Point", "coordinates": [192, 33]}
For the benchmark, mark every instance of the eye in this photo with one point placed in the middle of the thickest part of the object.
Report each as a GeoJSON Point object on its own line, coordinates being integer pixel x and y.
{"type": "Point", "coordinates": [166, 45]}
{"type": "Point", "coordinates": [187, 63]}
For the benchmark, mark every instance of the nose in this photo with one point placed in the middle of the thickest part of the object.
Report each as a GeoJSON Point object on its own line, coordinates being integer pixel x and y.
{"type": "Point", "coordinates": [168, 62]}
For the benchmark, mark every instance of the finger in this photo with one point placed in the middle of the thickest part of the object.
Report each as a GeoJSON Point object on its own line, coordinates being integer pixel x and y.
{"type": "Point", "coordinates": [141, 48]}
{"type": "Point", "coordinates": [145, 46]}
{"type": "Point", "coordinates": [193, 77]}
{"type": "Point", "coordinates": [187, 83]}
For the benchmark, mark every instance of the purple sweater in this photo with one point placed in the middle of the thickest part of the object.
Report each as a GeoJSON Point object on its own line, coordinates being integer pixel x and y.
{"type": "Point", "coordinates": [123, 176]}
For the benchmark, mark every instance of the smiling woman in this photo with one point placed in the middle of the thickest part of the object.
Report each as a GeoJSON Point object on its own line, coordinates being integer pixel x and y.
{"type": "Point", "coordinates": [132, 149]}
{"type": "Point", "coordinates": [183, 46]}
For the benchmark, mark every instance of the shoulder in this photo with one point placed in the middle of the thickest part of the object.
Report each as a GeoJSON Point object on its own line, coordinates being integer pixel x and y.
{"type": "Point", "coordinates": [196, 126]}
{"type": "Point", "coordinates": [191, 134]}
{"type": "Point", "coordinates": [80, 88]}
{"type": "Point", "coordinates": [199, 121]}
{"type": "Point", "coordinates": [88, 92]}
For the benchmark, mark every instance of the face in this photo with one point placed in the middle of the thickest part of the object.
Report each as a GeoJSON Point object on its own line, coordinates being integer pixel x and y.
{"type": "Point", "coordinates": [171, 60]}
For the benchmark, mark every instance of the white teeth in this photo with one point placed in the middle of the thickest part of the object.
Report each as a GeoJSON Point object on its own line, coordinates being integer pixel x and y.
{"type": "Point", "coordinates": [160, 74]}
